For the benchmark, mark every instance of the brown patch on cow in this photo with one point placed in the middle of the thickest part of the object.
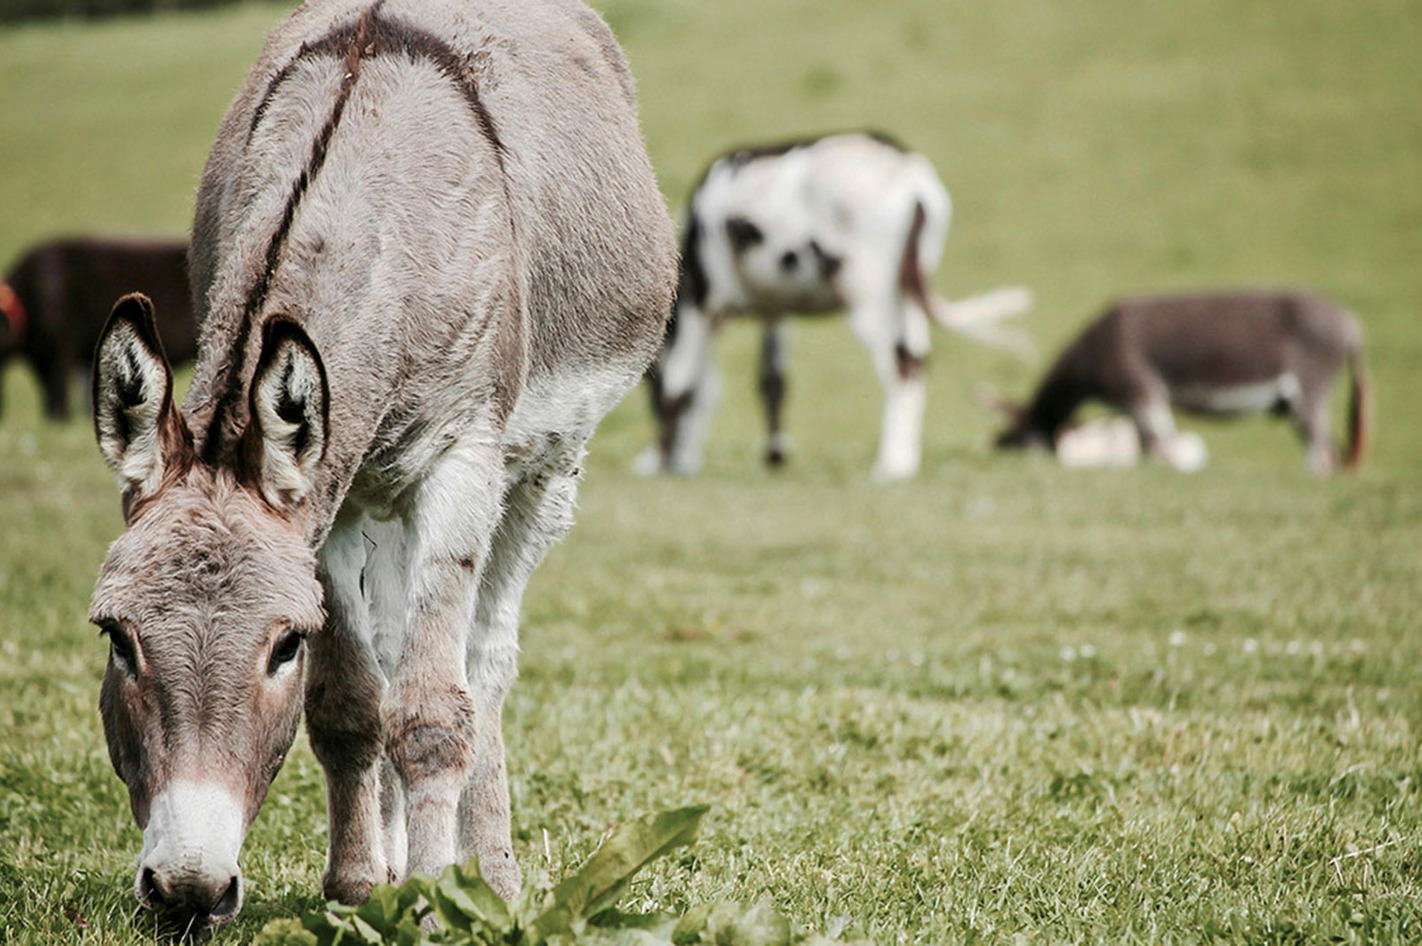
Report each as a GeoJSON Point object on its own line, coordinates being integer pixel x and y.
{"type": "Point", "coordinates": [910, 365]}
{"type": "Point", "coordinates": [911, 279]}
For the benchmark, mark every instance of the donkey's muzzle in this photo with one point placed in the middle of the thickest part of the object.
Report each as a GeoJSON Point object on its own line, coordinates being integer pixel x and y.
{"type": "Point", "coordinates": [188, 869]}
{"type": "Point", "coordinates": [188, 901]}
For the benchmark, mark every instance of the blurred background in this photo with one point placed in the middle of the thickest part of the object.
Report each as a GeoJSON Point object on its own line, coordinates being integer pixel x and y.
{"type": "Point", "coordinates": [1092, 148]}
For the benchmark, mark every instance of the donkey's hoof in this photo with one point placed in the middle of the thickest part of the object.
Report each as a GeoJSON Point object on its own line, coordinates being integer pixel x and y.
{"type": "Point", "coordinates": [775, 458]}
{"type": "Point", "coordinates": [502, 873]}
{"type": "Point", "coordinates": [352, 891]}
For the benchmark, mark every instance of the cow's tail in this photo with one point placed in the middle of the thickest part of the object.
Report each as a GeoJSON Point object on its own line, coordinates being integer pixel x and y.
{"type": "Point", "coordinates": [981, 317]}
{"type": "Point", "coordinates": [1358, 409]}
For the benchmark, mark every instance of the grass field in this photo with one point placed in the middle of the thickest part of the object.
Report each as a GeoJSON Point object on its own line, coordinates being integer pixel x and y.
{"type": "Point", "coordinates": [1003, 703]}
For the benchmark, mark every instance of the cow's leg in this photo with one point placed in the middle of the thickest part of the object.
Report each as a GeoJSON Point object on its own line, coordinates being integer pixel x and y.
{"type": "Point", "coordinates": [429, 718]}
{"type": "Point", "coordinates": [772, 389]}
{"type": "Point", "coordinates": [691, 389]}
{"type": "Point", "coordinates": [343, 693]}
{"type": "Point", "coordinates": [55, 369]}
{"type": "Point", "coordinates": [537, 513]}
{"type": "Point", "coordinates": [897, 338]}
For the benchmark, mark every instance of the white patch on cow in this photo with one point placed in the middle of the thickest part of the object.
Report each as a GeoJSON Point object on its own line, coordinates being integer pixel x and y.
{"type": "Point", "coordinates": [695, 424]}
{"type": "Point", "coordinates": [194, 833]}
{"type": "Point", "coordinates": [1238, 398]}
{"type": "Point", "coordinates": [689, 358]}
{"type": "Point", "coordinates": [903, 424]}
{"type": "Point", "coordinates": [648, 462]}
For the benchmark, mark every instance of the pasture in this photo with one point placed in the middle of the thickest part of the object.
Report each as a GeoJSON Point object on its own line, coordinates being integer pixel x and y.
{"type": "Point", "coordinates": [1005, 702]}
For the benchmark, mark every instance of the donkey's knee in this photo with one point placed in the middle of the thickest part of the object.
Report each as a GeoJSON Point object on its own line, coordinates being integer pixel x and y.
{"type": "Point", "coordinates": [343, 722]}
{"type": "Point", "coordinates": [429, 737]}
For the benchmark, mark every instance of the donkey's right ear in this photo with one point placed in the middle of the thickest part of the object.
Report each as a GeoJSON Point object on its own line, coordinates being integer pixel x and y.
{"type": "Point", "coordinates": [140, 431]}
{"type": "Point", "coordinates": [994, 401]}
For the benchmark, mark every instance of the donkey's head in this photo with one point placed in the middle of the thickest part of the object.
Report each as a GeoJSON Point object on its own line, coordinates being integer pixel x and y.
{"type": "Point", "coordinates": [1020, 433]}
{"type": "Point", "coordinates": [205, 599]}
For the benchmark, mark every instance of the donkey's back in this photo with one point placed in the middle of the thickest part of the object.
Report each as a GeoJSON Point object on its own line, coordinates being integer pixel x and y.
{"type": "Point", "coordinates": [419, 143]}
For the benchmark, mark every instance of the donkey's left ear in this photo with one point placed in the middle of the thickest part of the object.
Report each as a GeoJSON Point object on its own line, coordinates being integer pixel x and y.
{"type": "Point", "coordinates": [140, 431]}
{"type": "Point", "coordinates": [289, 410]}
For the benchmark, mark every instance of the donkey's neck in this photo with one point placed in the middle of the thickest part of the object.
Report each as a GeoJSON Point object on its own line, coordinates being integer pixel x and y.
{"type": "Point", "coordinates": [1054, 404]}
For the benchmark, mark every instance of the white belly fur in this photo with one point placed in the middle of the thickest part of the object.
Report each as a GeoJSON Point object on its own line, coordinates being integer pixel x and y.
{"type": "Point", "coordinates": [1238, 398]}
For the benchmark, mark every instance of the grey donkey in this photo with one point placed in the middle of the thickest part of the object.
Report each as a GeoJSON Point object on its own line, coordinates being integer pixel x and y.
{"type": "Point", "coordinates": [429, 255]}
{"type": "Point", "coordinates": [1214, 353]}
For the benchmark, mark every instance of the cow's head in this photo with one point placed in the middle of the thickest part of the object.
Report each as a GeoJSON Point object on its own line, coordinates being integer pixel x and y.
{"type": "Point", "coordinates": [205, 600]}
{"type": "Point", "coordinates": [1020, 433]}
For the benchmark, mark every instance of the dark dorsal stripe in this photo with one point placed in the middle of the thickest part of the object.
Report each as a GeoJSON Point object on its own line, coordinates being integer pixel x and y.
{"type": "Point", "coordinates": [369, 37]}
{"type": "Point", "coordinates": [375, 36]}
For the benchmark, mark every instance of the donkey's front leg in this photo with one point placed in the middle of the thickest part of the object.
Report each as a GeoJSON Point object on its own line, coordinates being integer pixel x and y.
{"type": "Point", "coordinates": [343, 691]}
{"type": "Point", "coordinates": [430, 721]}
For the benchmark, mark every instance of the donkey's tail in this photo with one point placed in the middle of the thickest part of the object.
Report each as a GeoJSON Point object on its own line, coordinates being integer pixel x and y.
{"type": "Point", "coordinates": [1358, 409]}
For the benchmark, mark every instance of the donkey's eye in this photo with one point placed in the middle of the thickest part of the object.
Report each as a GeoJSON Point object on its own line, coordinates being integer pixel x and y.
{"type": "Point", "coordinates": [285, 651]}
{"type": "Point", "coordinates": [121, 649]}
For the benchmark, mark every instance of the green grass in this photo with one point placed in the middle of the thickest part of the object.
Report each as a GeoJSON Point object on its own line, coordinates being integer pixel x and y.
{"type": "Point", "coordinates": [1006, 702]}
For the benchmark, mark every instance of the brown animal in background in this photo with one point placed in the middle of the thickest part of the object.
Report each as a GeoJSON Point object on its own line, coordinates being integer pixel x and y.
{"type": "Point", "coordinates": [1213, 353]}
{"type": "Point", "coordinates": [430, 255]}
{"type": "Point", "coordinates": [56, 297]}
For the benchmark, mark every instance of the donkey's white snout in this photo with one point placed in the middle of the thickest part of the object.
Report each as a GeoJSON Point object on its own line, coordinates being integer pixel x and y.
{"type": "Point", "coordinates": [190, 848]}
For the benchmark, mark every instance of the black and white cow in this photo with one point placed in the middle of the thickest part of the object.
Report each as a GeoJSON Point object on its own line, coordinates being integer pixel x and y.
{"type": "Point", "coordinates": [1213, 353]}
{"type": "Point", "coordinates": [850, 221]}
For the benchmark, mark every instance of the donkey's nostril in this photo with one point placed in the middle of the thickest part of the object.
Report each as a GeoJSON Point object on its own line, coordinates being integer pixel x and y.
{"type": "Point", "coordinates": [151, 890]}
{"type": "Point", "coordinates": [230, 902]}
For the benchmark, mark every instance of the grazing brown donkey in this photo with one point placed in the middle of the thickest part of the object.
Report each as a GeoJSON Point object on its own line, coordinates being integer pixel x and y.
{"type": "Point", "coordinates": [429, 255]}
{"type": "Point", "coordinates": [1220, 354]}
{"type": "Point", "coordinates": [55, 298]}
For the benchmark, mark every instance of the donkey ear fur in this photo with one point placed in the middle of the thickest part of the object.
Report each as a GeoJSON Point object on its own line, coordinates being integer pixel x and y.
{"type": "Point", "coordinates": [290, 401]}
{"type": "Point", "coordinates": [139, 430]}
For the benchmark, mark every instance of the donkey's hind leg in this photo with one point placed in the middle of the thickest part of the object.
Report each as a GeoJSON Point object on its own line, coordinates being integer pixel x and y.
{"type": "Point", "coordinates": [1310, 416]}
{"type": "Point", "coordinates": [537, 513]}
